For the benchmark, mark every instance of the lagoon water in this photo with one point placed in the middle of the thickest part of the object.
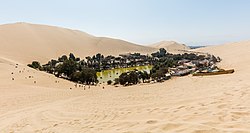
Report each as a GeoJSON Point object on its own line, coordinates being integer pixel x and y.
{"type": "Point", "coordinates": [112, 74]}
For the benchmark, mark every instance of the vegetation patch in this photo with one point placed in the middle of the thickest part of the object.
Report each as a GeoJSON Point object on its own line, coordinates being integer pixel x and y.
{"type": "Point", "coordinates": [164, 65]}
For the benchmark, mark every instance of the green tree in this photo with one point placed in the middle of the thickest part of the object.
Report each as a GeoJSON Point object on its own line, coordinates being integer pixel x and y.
{"type": "Point", "coordinates": [98, 57]}
{"type": "Point", "coordinates": [123, 78]}
{"type": "Point", "coordinates": [144, 76]}
{"type": "Point", "coordinates": [162, 52]}
{"type": "Point", "coordinates": [128, 78]}
{"type": "Point", "coordinates": [35, 65]}
{"type": "Point", "coordinates": [133, 77]}
{"type": "Point", "coordinates": [90, 76]}
{"type": "Point", "coordinates": [63, 58]}
{"type": "Point", "coordinates": [72, 57]}
{"type": "Point", "coordinates": [116, 81]}
{"type": "Point", "coordinates": [76, 77]}
{"type": "Point", "coordinates": [109, 82]}
{"type": "Point", "coordinates": [78, 59]}
{"type": "Point", "coordinates": [68, 67]}
{"type": "Point", "coordinates": [52, 63]}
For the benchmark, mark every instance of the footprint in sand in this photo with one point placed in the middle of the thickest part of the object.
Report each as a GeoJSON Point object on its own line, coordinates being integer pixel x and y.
{"type": "Point", "coordinates": [206, 131]}
{"type": "Point", "coordinates": [222, 106]}
{"type": "Point", "coordinates": [55, 125]}
{"type": "Point", "coordinates": [241, 113]}
{"type": "Point", "coordinates": [181, 107]}
{"type": "Point", "coordinates": [151, 122]}
{"type": "Point", "coordinates": [170, 126]}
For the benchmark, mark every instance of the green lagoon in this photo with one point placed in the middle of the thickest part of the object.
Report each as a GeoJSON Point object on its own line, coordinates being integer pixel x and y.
{"type": "Point", "coordinates": [112, 74]}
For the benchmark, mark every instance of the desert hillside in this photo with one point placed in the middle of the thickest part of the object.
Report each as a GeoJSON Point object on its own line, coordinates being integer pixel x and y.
{"type": "Point", "coordinates": [170, 46]}
{"type": "Point", "coordinates": [25, 42]}
{"type": "Point", "coordinates": [34, 101]}
{"type": "Point", "coordinates": [234, 55]}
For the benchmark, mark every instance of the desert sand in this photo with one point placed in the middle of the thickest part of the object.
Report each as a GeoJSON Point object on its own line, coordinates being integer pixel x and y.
{"type": "Point", "coordinates": [33, 101]}
{"type": "Point", "coordinates": [27, 42]}
{"type": "Point", "coordinates": [171, 46]}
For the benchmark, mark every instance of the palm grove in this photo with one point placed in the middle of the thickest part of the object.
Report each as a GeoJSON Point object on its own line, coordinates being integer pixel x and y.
{"type": "Point", "coordinates": [84, 71]}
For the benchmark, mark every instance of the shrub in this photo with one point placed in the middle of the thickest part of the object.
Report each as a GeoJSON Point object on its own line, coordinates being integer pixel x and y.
{"type": "Point", "coordinates": [116, 81]}
{"type": "Point", "coordinates": [63, 58]}
{"type": "Point", "coordinates": [123, 78]}
{"type": "Point", "coordinates": [76, 77]}
{"type": "Point", "coordinates": [35, 65]}
{"type": "Point", "coordinates": [109, 82]}
{"type": "Point", "coordinates": [129, 78]}
{"type": "Point", "coordinates": [72, 57]}
{"type": "Point", "coordinates": [144, 76]}
{"type": "Point", "coordinates": [133, 77]}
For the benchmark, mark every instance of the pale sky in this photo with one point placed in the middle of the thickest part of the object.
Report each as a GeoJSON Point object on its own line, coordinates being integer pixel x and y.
{"type": "Point", "coordinates": [193, 22]}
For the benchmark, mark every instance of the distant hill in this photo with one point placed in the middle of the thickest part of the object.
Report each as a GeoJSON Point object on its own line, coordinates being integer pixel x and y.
{"type": "Point", "coordinates": [233, 55]}
{"type": "Point", "coordinates": [170, 46]}
{"type": "Point", "coordinates": [26, 42]}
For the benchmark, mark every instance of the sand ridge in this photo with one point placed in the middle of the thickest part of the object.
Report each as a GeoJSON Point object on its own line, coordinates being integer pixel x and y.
{"type": "Point", "coordinates": [26, 42]}
{"type": "Point", "coordinates": [170, 46]}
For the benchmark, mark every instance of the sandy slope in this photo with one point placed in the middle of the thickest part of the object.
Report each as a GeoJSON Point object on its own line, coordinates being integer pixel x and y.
{"type": "Point", "coordinates": [170, 46]}
{"type": "Point", "coordinates": [189, 104]}
{"type": "Point", "coordinates": [235, 55]}
{"type": "Point", "coordinates": [27, 42]}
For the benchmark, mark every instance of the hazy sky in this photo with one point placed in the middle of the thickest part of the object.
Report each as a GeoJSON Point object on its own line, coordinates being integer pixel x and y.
{"type": "Point", "coordinates": [194, 22]}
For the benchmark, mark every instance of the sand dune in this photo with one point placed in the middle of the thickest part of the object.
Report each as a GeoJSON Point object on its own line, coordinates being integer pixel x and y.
{"type": "Point", "coordinates": [25, 42]}
{"type": "Point", "coordinates": [170, 46]}
{"type": "Point", "coordinates": [234, 55]}
{"type": "Point", "coordinates": [216, 104]}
